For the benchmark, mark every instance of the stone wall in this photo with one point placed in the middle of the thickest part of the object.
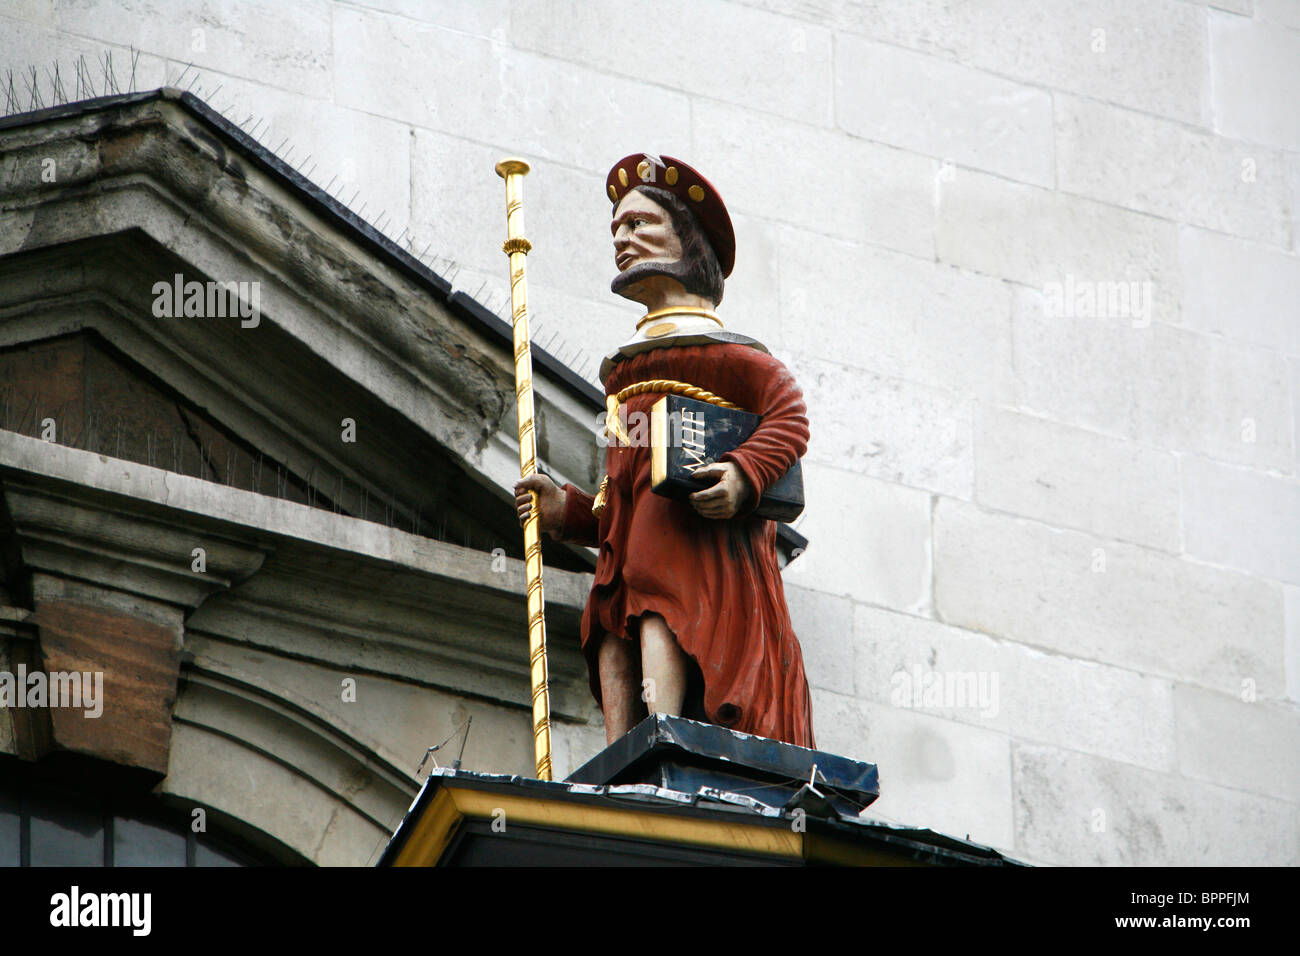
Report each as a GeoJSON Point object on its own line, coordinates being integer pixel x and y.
{"type": "Point", "coordinates": [1037, 273]}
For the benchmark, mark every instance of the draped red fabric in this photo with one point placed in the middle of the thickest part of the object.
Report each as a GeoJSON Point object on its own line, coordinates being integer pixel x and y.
{"type": "Point", "coordinates": [716, 583]}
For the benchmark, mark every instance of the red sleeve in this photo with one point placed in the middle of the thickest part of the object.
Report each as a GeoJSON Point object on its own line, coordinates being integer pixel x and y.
{"type": "Point", "coordinates": [580, 525]}
{"type": "Point", "coordinates": [781, 437]}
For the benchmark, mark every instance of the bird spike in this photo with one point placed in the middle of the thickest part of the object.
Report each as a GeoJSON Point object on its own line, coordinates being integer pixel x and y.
{"type": "Point", "coordinates": [110, 76]}
{"type": "Point", "coordinates": [56, 86]}
{"type": "Point", "coordinates": [33, 91]}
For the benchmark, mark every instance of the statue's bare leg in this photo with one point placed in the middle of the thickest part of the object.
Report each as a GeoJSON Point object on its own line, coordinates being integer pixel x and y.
{"type": "Point", "coordinates": [620, 686]}
{"type": "Point", "coordinates": [664, 665]}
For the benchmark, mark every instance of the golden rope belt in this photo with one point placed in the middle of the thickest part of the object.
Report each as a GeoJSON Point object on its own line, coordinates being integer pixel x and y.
{"type": "Point", "coordinates": [614, 428]}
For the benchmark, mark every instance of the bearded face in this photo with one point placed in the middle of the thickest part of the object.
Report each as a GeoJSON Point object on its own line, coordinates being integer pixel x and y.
{"type": "Point", "coordinates": [652, 239]}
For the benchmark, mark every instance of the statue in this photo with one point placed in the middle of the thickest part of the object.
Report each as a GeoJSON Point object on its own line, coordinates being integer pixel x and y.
{"type": "Point", "coordinates": [687, 615]}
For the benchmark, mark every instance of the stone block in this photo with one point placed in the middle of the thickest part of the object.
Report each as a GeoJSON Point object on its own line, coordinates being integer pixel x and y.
{"type": "Point", "coordinates": [1078, 810]}
{"type": "Point", "coordinates": [952, 112]}
{"type": "Point", "coordinates": [1283, 13]}
{"type": "Point", "coordinates": [283, 45]}
{"type": "Point", "coordinates": [887, 428]}
{"type": "Point", "coordinates": [1074, 478]}
{"type": "Point", "coordinates": [1164, 168]}
{"type": "Point", "coordinates": [489, 18]}
{"type": "Point", "coordinates": [1054, 241]}
{"type": "Point", "coordinates": [1246, 745]}
{"type": "Point", "coordinates": [896, 315]}
{"type": "Point", "coordinates": [870, 539]}
{"type": "Point", "coordinates": [1247, 293]}
{"type": "Point", "coordinates": [523, 103]}
{"type": "Point", "coordinates": [364, 159]}
{"type": "Point", "coordinates": [30, 37]}
{"type": "Point", "coordinates": [458, 204]}
{"type": "Point", "coordinates": [818, 179]}
{"type": "Point", "coordinates": [729, 52]}
{"type": "Point", "coordinates": [1292, 649]}
{"type": "Point", "coordinates": [934, 773]}
{"type": "Point", "coordinates": [1165, 386]}
{"type": "Point", "coordinates": [933, 668]}
{"type": "Point", "coordinates": [1148, 56]}
{"type": "Point", "coordinates": [1241, 519]}
{"type": "Point", "coordinates": [1255, 84]}
{"type": "Point", "coordinates": [824, 626]}
{"type": "Point", "coordinates": [1105, 601]}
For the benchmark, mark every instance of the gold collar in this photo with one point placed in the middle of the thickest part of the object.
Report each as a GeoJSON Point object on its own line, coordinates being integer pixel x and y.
{"type": "Point", "coordinates": [678, 310]}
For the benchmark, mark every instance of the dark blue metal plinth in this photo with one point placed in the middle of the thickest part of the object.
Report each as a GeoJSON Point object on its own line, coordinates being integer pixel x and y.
{"type": "Point", "coordinates": [685, 755]}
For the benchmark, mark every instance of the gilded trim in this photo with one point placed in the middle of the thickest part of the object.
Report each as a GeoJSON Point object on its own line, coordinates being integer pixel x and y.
{"type": "Point", "coordinates": [452, 805]}
{"type": "Point", "coordinates": [678, 310]}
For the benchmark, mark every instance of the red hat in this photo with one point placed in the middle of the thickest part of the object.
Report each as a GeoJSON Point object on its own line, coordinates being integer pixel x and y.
{"type": "Point", "coordinates": [664, 172]}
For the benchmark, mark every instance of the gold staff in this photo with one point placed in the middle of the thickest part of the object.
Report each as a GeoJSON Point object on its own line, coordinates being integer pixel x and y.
{"type": "Point", "coordinates": [517, 247]}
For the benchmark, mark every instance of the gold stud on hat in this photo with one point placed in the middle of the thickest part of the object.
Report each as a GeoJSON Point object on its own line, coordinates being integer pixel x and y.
{"type": "Point", "coordinates": [684, 181]}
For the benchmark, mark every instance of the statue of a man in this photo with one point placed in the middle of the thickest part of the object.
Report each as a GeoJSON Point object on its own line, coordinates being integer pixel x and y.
{"type": "Point", "coordinates": [687, 615]}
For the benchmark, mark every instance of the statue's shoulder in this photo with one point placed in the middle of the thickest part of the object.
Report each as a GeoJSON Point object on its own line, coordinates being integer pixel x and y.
{"type": "Point", "coordinates": [741, 345]}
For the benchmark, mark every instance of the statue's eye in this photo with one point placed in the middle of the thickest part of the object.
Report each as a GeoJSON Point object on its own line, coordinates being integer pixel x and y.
{"type": "Point", "coordinates": [637, 223]}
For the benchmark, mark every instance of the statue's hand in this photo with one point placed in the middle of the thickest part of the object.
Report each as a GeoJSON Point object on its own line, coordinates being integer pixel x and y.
{"type": "Point", "coordinates": [724, 498]}
{"type": "Point", "coordinates": [550, 502]}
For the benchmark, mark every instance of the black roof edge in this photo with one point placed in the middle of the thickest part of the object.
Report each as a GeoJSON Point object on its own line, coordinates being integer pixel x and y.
{"type": "Point", "coordinates": [462, 304]}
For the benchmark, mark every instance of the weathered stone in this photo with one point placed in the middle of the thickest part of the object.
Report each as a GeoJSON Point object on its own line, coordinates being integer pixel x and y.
{"type": "Point", "coordinates": [1162, 167]}
{"type": "Point", "coordinates": [945, 110]}
{"type": "Point", "coordinates": [1283, 13]}
{"type": "Point", "coordinates": [282, 45]}
{"type": "Point", "coordinates": [31, 36]}
{"type": "Point", "coordinates": [364, 159]}
{"type": "Point", "coordinates": [1251, 745]}
{"type": "Point", "coordinates": [1292, 649]}
{"type": "Point", "coordinates": [882, 539]}
{"type": "Point", "coordinates": [542, 107]}
{"type": "Point", "coordinates": [824, 626]}
{"type": "Point", "coordinates": [1165, 386]}
{"type": "Point", "coordinates": [1148, 56]}
{"type": "Point", "coordinates": [489, 18]}
{"type": "Point", "coordinates": [736, 54]}
{"type": "Point", "coordinates": [1074, 478]}
{"type": "Point", "coordinates": [137, 663]}
{"type": "Point", "coordinates": [923, 761]}
{"type": "Point", "coordinates": [896, 315]}
{"type": "Point", "coordinates": [1046, 239]}
{"type": "Point", "coordinates": [1247, 293]}
{"type": "Point", "coordinates": [821, 180]}
{"type": "Point", "coordinates": [887, 428]}
{"type": "Point", "coordinates": [1241, 519]}
{"type": "Point", "coordinates": [1255, 84]}
{"type": "Point", "coordinates": [923, 665]}
{"type": "Point", "coordinates": [1082, 810]}
{"type": "Point", "coordinates": [1106, 601]}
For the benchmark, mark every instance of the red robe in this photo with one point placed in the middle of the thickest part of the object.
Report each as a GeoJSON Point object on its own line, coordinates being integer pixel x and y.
{"type": "Point", "coordinates": [716, 583]}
